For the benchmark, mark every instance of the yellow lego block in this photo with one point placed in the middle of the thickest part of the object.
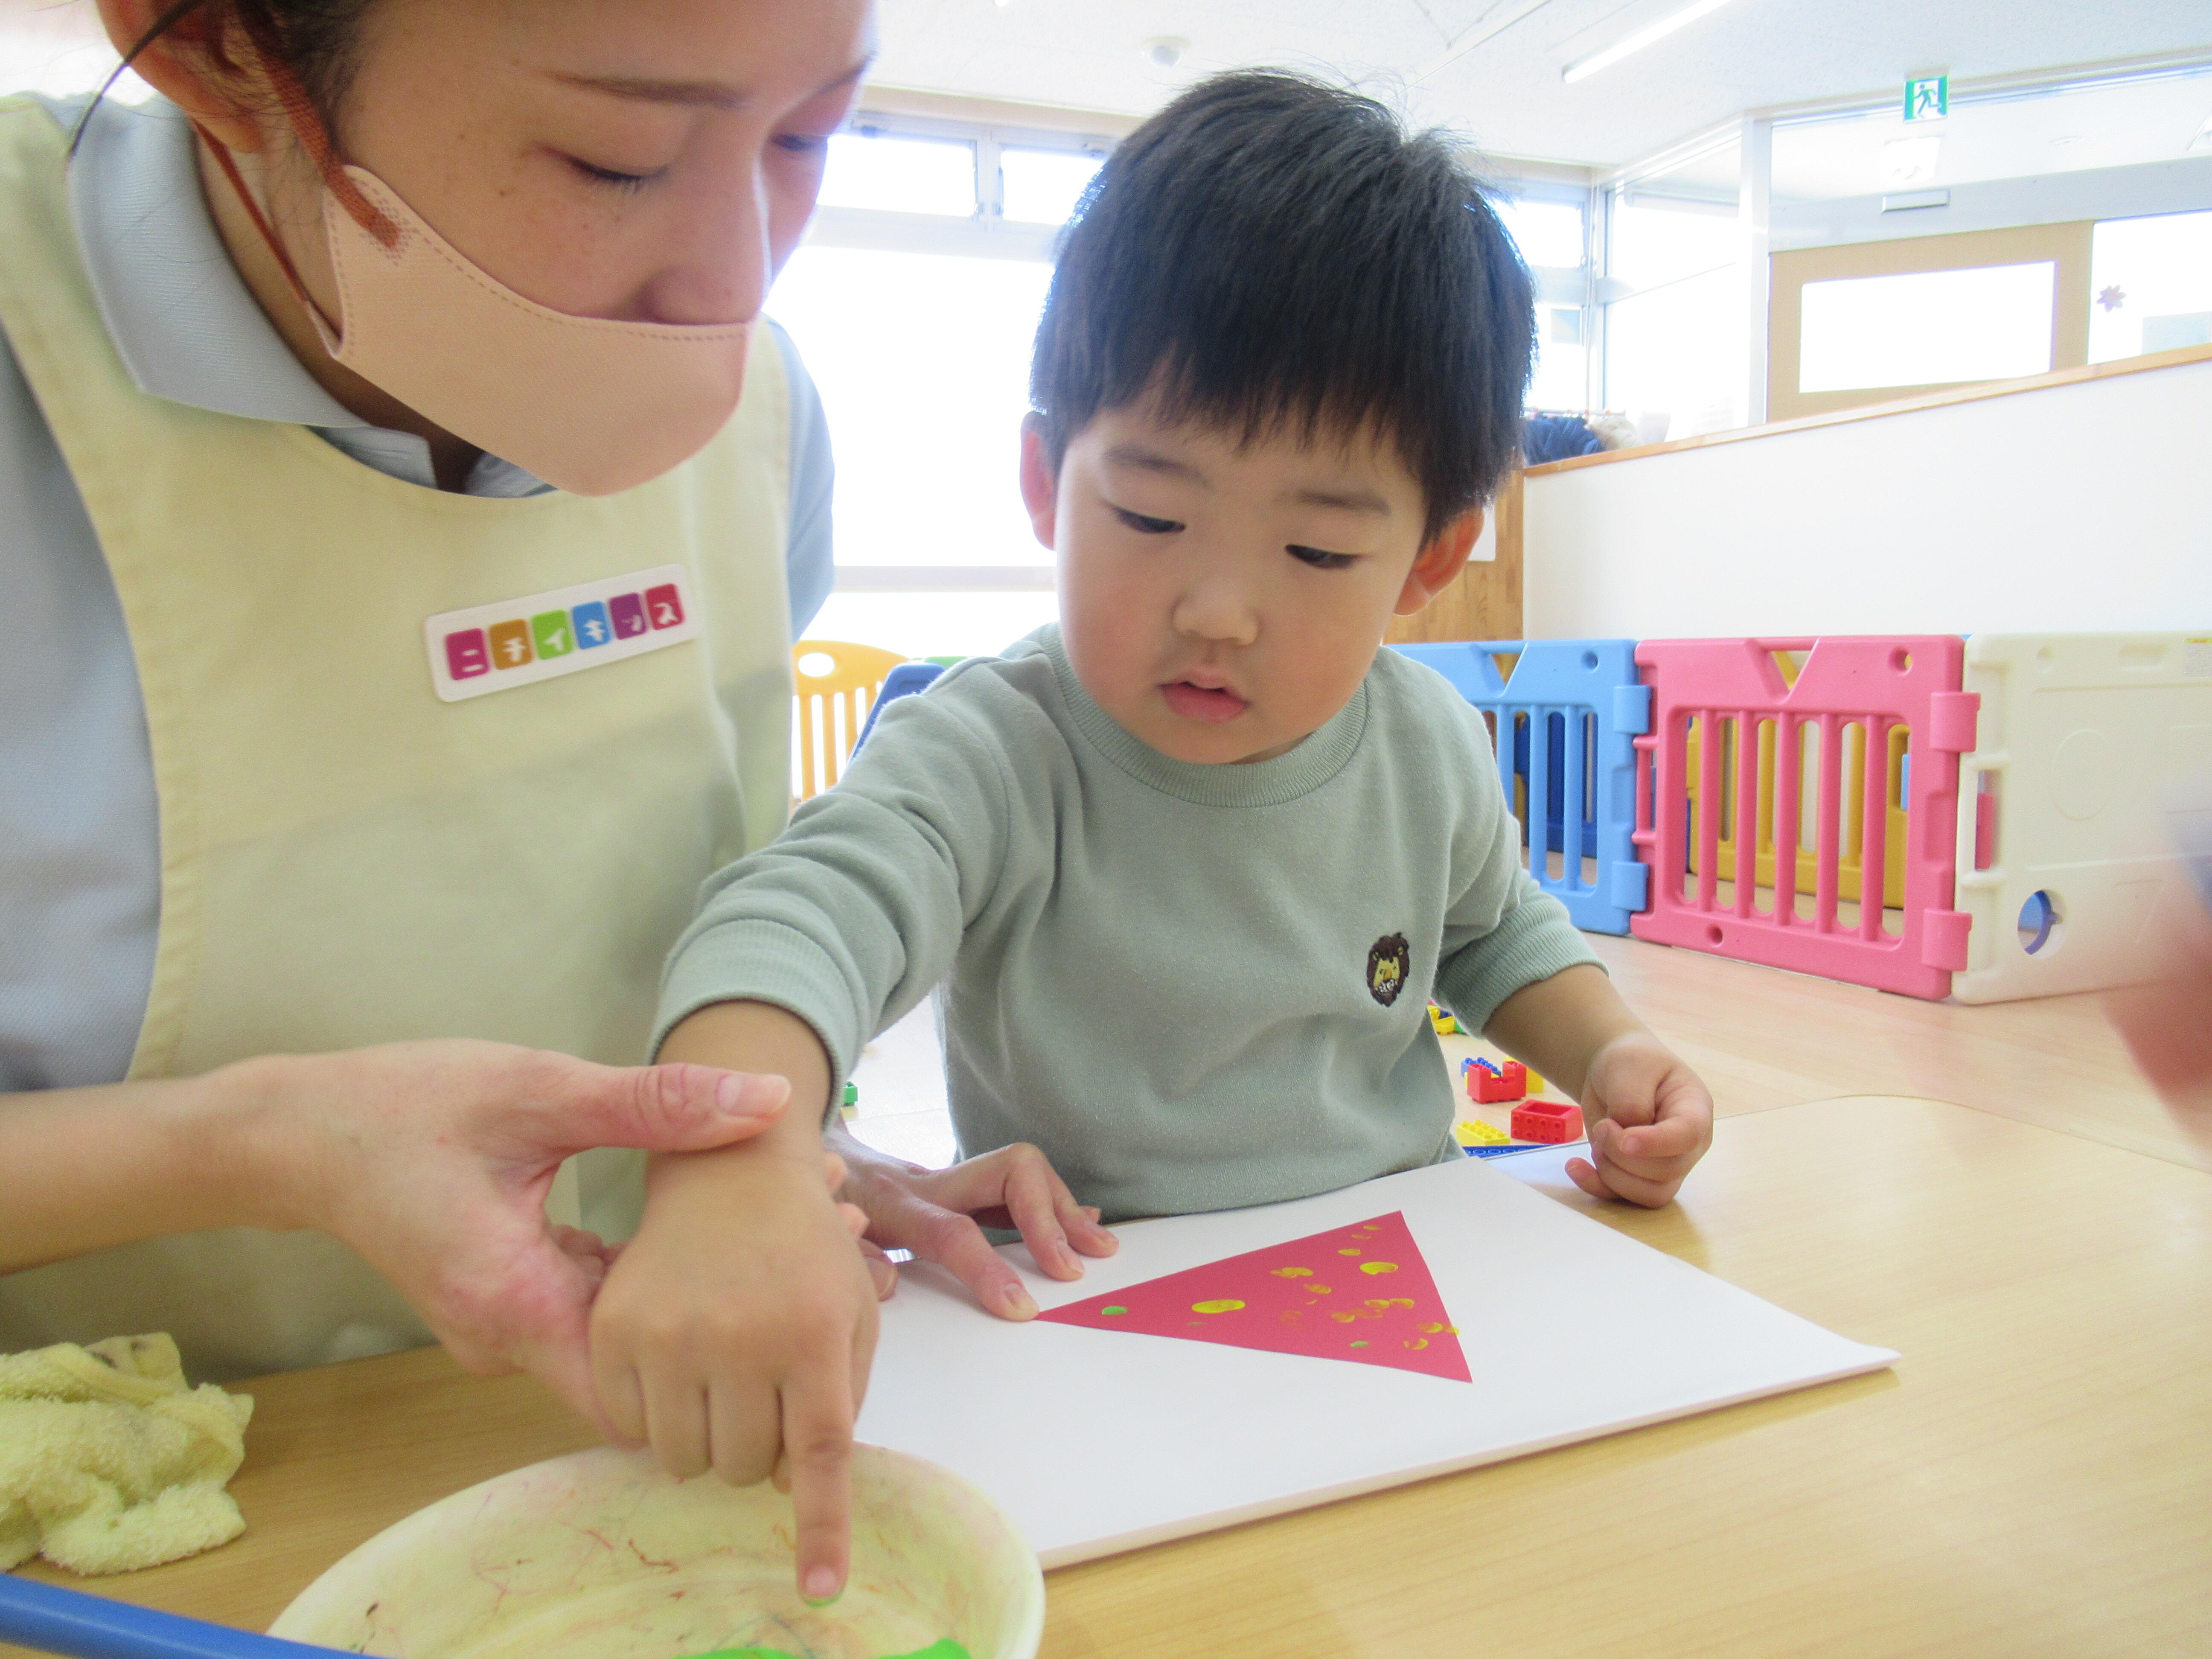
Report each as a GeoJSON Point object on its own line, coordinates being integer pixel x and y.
{"type": "Point", "coordinates": [1442, 1022]}
{"type": "Point", "coordinates": [1471, 1131]}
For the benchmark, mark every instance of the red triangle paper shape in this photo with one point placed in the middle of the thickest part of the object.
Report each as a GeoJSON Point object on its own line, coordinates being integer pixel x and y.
{"type": "Point", "coordinates": [1360, 1293]}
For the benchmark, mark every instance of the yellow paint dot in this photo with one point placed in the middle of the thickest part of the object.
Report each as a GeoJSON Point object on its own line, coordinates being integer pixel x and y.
{"type": "Point", "coordinates": [1431, 1329]}
{"type": "Point", "coordinates": [1348, 1253]}
{"type": "Point", "coordinates": [1451, 1330]}
{"type": "Point", "coordinates": [1344, 1318]}
{"type": "Point", "coordinates": [1373, 1303]}
{"type": "Point", "coordinates": [1294, 1273]}
{"type": "Point", "coordinates": [1379, 1267]}
{"type": "Point", "coordinates": [1227, 1304]}
{"type": "Point", "coordinates": [1417, 1341]}
{"type": "Point", "coordinates": [1315, 1290]}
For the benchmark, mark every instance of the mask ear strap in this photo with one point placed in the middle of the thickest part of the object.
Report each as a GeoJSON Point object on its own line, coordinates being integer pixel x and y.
{"type": "Point", "coordinates": [260, 222]}
{"type": "Point", "coordinates": [308, 122]}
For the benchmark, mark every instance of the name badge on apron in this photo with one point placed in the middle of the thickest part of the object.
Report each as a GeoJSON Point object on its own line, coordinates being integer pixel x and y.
{"type": "Point", "coordinates": [564, 630]}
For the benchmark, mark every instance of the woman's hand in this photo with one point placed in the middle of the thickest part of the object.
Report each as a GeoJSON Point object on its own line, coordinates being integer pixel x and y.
{"type": "Point", "coordinates": [433, 1159]}
{"type": "Point", "coordinates": [939, 1215]}
{"type": "Point", "coordinates": [1650, 1120]}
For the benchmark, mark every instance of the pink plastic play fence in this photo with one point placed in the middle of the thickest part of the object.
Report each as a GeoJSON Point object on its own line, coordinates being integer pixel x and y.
{"type": "Point", "coordinates": [1811, 691]}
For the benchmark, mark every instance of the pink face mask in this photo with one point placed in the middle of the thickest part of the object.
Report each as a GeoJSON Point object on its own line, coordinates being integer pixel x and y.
{"type": "Point", "coordinates": [589, 404]}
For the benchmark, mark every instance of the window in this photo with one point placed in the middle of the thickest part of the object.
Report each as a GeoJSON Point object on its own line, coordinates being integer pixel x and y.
{"type": "Point", "coordinates": [1656, 239]}
{"type": "Point", "coordinates": [1547, 233]}
{"type": "Point", "coordinates": [918, 334]}
{"type": "Point", "coordinates": [1561, 380]}
{"type": "Point", "coordinates": [1860, 323]}
{"type": "Point", "coordinates": [1041, 186]}
{"type": "Point", "coordinates": [868, 169]}
{"type": "Point", "coordinates": [1552, 235]}
{"type": "Point", "coordinates": [1677, 352]}
{"type": "Point", "coordinates": [922, 360]}
{"type": "Point", "coordinates": [1674, 331]}
{"type": "Point", "coordinates": [2150, 285]}
{"type": "Point", "coordinates": [1926, 327]}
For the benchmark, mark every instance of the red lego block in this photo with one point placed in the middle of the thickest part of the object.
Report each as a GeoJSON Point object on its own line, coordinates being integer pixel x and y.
{"type": "Point", "coordinates": [1555, 1122]}
{"type": "Point", "coordinates": [1488, 1088]}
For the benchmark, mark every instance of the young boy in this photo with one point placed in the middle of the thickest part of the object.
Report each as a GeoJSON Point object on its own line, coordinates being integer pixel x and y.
{"type": "Point", "coordinates": [1188, 866]}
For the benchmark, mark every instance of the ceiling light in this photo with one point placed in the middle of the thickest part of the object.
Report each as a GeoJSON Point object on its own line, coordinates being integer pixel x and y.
{"type": "Point", "coordinates": [1635, 42]}
{"type": "Point", "coordinates": [1166, 51]}
{"type": "Point", "coordinates": [2202, 140]}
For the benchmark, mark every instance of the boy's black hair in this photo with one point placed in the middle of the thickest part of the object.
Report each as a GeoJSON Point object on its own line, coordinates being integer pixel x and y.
{"type": "Point", "coordinates": [1267, 250]}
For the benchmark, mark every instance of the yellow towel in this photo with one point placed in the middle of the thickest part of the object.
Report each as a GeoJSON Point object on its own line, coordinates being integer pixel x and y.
{"type": "Point", "coordinates": [110, 1461]}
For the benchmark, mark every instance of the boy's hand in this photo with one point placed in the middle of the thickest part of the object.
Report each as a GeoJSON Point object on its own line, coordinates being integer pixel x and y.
{"type": "Point", "coordinates": [939, 1215]}
{"type": "Point", "coordinates": [735, 1333]}
{"type": "Point", "coordinates": [1651, 1119]}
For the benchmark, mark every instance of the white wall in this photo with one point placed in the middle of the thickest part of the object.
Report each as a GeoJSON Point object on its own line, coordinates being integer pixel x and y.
{"type": "Point", "coordinates": [2086, 506]}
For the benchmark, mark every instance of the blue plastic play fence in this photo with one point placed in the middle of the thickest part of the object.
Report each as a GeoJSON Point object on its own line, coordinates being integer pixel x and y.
{"type": "Point", "coordinates": [1585, 696]}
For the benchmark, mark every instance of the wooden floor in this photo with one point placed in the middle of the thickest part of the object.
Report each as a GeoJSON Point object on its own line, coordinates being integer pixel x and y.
{"type": "Point", "coordinates": [1760, 1037]}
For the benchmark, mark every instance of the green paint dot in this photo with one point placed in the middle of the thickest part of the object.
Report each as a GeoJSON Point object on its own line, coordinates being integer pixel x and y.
{"type": "Point", "coordinates": [1359, 1344]}
{"type": "Point", "coordinates": [1113, 1310]}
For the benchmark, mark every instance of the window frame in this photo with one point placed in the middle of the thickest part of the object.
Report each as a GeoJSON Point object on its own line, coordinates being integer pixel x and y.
{"type": "Point", "coordinates": [1566, 288]}
{"type": "Point", "coordinates": [988, 234]}
{"type": "Point", "coordinates": [2065, 245]}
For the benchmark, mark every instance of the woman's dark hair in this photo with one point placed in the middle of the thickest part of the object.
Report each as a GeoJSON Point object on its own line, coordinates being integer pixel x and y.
{"type": "Point", "coordinates": [316, 38]}
{"type": "Point", "coordinates": [1268, 251]}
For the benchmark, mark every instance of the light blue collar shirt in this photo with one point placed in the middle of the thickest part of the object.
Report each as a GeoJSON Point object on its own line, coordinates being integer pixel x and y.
{"type": "Point", "coordinates": [80, 851]}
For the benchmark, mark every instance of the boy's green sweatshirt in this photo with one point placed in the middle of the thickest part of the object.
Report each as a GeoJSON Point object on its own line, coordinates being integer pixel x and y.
{"type": "Point", "coordinates": [1195, 987]}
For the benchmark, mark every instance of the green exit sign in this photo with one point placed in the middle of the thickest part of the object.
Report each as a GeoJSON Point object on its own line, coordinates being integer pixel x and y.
{"type": "Point", "coordinates": [1929, 99]}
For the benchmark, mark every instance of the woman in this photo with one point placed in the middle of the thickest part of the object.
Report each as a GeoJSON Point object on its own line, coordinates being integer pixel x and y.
{"type": "Point", "coordinates": [402, 531]}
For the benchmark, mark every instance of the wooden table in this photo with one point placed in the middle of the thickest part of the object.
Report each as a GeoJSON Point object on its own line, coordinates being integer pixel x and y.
{"type": "Point", "coordinates": [2035, 1477]}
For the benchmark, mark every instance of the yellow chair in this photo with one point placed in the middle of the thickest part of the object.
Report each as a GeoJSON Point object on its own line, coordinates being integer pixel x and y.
{"type": "Point", "coordinates": [834, 684]}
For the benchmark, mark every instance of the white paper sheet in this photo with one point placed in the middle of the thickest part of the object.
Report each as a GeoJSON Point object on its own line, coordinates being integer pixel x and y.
{"type": "Point", "coordinates": [1096, 1441]}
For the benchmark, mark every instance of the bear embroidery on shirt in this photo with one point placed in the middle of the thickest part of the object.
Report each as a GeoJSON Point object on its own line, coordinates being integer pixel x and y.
{"type": "Point", "coordinates": [1389, 963]}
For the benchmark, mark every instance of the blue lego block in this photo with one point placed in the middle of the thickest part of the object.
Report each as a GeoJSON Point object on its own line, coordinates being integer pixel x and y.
{"type": "Point", "coordinates": [1591, 708]}
{"type": "Point", "coordinates": [902, 681]}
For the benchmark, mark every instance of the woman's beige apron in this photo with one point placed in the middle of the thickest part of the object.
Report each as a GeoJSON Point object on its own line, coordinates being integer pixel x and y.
{"type": "Point", "coordinates": [346, 858]}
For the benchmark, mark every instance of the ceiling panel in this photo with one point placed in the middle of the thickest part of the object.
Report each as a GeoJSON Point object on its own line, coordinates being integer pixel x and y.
{"type": "Point", "coordinates": [1506, 91]}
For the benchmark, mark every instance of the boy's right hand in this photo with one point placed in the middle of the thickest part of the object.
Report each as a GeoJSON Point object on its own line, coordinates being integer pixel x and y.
{"type": "Point", "coordinates": [735, 1333]}
{"type": "Point", "coordinates": [939, 1215]}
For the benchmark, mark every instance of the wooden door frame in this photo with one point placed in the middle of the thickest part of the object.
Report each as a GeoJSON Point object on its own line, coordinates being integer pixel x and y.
{"type": "Point", "coordinates": [1484, 601]}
